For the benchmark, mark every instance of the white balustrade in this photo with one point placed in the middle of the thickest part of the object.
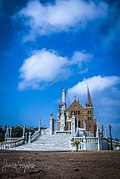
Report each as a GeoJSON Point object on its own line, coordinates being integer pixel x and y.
{"type": "Point", "coordinates": [35, 135]}
{"type": "Point", "coordinates": [14, 142]}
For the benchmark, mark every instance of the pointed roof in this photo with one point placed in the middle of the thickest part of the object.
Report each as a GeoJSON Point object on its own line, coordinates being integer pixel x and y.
{"type": "Point", "coordinates": [63, 88]}
{"type": "Point", "coordinates": [75, 103]}
{"type": "Point", "coordinates": [88, 96]}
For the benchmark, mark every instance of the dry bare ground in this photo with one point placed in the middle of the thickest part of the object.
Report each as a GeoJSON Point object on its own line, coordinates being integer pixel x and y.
{"type": "Point", "coordinates": [60, 165]}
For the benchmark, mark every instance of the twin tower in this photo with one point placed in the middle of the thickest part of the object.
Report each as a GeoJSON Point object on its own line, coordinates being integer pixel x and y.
{"type": "Point", "coordinates": [74, 117]}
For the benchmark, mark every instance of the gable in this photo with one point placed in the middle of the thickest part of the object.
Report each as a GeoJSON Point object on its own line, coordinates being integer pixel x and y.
{"type": "Point", "coordinates": [75, 106]}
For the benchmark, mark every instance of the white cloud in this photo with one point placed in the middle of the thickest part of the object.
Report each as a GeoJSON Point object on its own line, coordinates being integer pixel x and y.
{"type": "Point", "coordinates": [64, 15]}
{"type": "Point", "coordinates": [45, 67]}
{"type": "Point", "coordinates": [79, 58]}
{"type": "Point", "coordinates": [95, 83]}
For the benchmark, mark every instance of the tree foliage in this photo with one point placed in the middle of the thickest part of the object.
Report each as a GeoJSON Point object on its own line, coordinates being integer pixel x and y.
{"type": "Point", "coordinates": [17, 131]}
{"type": "Point", "coordinates": [1, 134]}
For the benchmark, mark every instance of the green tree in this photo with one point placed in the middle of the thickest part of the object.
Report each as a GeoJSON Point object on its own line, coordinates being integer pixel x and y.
{"type": "Point", "coordinates": [75, 143]}
{"type": "Point", "coordinates": [17, 130]}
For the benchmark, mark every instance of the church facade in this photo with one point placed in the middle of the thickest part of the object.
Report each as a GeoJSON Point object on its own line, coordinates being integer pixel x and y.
{"type": "Point", "coordinates": [74, 117]}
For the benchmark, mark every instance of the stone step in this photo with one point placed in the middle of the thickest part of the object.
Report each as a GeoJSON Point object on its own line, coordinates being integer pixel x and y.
{"type": "Point", "coordinates": [48, 143]}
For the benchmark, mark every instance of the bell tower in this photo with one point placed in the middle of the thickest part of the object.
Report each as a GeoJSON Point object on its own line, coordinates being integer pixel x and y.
{"type": "Point", "coordinates": [89, 113]}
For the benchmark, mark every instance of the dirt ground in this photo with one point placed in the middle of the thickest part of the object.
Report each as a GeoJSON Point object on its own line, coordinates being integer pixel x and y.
{"type": "Point", "coordinates": [60, 165]}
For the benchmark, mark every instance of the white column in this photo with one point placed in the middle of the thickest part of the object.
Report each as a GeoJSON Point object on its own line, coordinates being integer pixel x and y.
{"type": "Point", "coordinates": [98, 139]}
{"type": "Point", "coordinates": [62, 119]}
{"type": "Point", "coordinates": [97, 130]}
{"type": "Point", "coordinates": [29, 137]}
{"type": "Point", "coordinates": [73, 125]}
{"type": "Point", "coordinates": [84, 143]}
{"type": "Point", "coordinates": [51, 124]}
{"type": "Point", "coordinates": [26, 137]}
{"type": "Point", "coordinates": [98, 136]}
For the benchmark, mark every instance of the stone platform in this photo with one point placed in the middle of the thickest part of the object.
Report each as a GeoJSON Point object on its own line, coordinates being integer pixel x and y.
{"type": "Point", "coordinates": [47, 142]}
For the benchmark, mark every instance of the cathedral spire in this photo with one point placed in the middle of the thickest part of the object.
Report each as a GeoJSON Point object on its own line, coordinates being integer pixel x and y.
{"type": "Point", "coordinates": [88, 97]}
{"type": "Point", "coordinates": [63, 100]}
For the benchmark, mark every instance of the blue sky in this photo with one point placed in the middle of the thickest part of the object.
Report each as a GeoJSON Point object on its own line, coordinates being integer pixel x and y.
{"type": "Point", "coordinates": [46, 44]}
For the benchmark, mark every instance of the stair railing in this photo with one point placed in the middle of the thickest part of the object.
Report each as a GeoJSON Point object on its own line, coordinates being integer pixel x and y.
{"type": "Point", "coordinates": [34, 136]}
{"type": "Point", "coordinates": [12, 143]}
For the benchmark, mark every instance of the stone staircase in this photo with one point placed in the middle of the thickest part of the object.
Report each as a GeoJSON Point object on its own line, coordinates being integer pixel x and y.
{"type": "Point", "coordinates": [47, 142]}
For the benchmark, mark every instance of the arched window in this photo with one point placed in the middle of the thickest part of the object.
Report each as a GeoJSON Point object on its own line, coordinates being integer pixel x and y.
{"type": "Point", "coordinates": [79, 124]}
{"type": "Point", "coordinates": [78, 112]}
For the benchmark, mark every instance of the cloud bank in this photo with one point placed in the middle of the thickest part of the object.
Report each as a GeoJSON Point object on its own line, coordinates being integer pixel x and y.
{"type": "Point", "coordinates": [64, 15]}
{"type": "Point", "coordinates": [95, 83]}
{"type": "Point", "coordinates": [47, 66]}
